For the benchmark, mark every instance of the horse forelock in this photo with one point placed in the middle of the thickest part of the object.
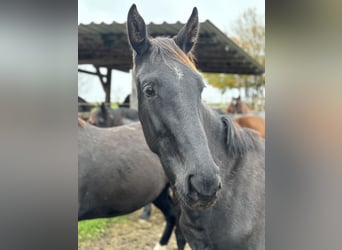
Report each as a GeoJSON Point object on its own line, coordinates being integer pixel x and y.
{"type": "Point", "coordinates": [167, 48]}
{"type": "Point", "coordinates": [238, 140]}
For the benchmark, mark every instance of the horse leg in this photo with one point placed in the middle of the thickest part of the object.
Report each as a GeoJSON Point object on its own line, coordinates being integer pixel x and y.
{"type": "Point", "coordinates": [165, 204]}
{"type": "Point", "coordinates": [146, 213]}
{"type": "Point", "coordinates": [180, 238]}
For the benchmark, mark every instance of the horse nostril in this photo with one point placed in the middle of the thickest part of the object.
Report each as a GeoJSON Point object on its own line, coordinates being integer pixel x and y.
{"type": "Point", "coordinates": [201, 187]}
{"type": "Point", "coordinates": [195, 185]}
{"type": "Point", "coordinates": [219, 186]}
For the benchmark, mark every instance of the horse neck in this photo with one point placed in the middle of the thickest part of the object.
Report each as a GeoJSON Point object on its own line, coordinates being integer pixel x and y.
{"type": "Point", "coordinates": [215, 131]}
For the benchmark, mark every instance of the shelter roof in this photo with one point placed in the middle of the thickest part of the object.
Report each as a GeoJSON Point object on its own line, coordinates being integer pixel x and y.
{"type": "Point", "coordinates": [106, 45]}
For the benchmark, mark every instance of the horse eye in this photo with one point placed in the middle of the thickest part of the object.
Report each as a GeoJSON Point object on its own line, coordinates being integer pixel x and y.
{"type": "Point", "coordinates": [149, 91]}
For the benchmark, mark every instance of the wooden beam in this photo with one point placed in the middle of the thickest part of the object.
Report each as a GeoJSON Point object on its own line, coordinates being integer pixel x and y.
{"type": "Point", "coordinates": [98, 73]}
{"type": "Point", "coordinates": [89, 72]}
{"type": "Point", "coordinates": [106, 81]}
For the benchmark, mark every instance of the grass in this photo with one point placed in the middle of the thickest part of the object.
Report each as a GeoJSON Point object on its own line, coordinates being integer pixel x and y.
{"type": "Point", "coordinates": [114, 105]}
{"type": "Point", "coordinates": [89, 229]}
{"type": "Point", "coordinates": [221, 105]}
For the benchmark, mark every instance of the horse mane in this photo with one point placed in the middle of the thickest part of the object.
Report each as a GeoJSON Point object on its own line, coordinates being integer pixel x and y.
{"type": "Point", "coordinates": [81, 123]}
{"type": "Point", "coordinates": [166, 48]}
{"type": "Point", "coordinates": [238, 140]}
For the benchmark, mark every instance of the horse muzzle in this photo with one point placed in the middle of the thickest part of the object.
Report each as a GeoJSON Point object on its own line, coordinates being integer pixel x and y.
{"type": "Point", "coordinates": [203, 192]}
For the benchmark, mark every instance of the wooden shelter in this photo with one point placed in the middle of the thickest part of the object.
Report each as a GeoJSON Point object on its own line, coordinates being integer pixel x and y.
{"type": "Point", "coordinates": [106, 45]}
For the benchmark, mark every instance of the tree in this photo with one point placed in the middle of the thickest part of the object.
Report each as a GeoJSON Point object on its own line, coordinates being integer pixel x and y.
{"type": "Point", "coordinates": [249, 34]}
{"type": "Point", "coordinates": [221, 81]}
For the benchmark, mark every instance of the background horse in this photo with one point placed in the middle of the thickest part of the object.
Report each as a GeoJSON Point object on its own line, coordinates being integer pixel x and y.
{"type": "Point", "coordinates": [126, 102]}
{"type": "Point", "coordinates": [105, 117]}
{"type": "Point", "coordinates": [216, 168]}
{"type": "Point", "coordinates": [237, 106]}
{"type": "Point", "coordinates": [253, 122]}
{"type": "Point", "coordinates": [117, 180]}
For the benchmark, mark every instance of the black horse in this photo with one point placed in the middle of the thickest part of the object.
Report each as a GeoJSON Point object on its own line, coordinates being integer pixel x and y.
{"type": "Point", "coordinates": [215, 167]}
{"type": "Point", "coordinates": [126, 103]}
{"type": "Point", "coordinates": [118, 174]}
{"type": "Point", "coordinates": [105, 117]}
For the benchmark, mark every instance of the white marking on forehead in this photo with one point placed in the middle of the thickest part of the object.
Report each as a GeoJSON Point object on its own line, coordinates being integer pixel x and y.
{"type": "Point", "coordinates": [178, 72]}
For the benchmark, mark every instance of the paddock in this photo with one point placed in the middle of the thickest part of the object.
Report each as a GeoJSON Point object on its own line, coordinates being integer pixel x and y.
{"type": "Point", "coordinates": [95, 43]}
{"type": "Point", "coordinates": [130, 233]}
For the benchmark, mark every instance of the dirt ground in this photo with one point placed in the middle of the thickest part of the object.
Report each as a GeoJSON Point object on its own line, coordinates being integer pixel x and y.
{"type": "Point", "coordinates": [132, 235]}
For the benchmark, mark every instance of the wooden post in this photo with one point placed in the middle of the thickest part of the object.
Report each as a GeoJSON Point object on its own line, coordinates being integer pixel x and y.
{"type": "Point", "coordinates": [108, 84]}
{"type": "Point", "coordinates": [106, 81]}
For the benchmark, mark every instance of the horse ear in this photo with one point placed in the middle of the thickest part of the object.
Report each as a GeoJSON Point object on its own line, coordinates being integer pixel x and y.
{"type": "Point", "coordinates": [137, 32]}
{"type": "Point", "coordinates": [187, 36]}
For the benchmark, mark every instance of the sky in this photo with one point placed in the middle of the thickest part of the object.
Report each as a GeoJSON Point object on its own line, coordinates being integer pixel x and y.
{"type": "Point", "coordinates": [222, 13]}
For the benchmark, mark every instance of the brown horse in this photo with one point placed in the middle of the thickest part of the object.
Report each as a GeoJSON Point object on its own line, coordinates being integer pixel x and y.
{"type": "Point", "coordinates": [253, 122]}
{"type": "Point", "coordinates": [237, 107]}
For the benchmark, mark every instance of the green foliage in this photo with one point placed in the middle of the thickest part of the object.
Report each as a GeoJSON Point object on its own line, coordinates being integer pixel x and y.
{"type": "Point", "coordinates": [218, 105]}
{"type": "Point", "coordinates": [249, 31]}
{"type": "Point", "coordinates": [249, 34]}
{"type": "Point", "coordinates": [89, 229]}
{"type": "Point", "coordinates": [221, 81]}
{"type": "Point", "coordinates": [114, 105]}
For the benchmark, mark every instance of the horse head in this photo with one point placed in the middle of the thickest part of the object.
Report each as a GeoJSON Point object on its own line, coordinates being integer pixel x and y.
{"type": "Point", "coordinates": [101, 117]}
{"type": "Point", "coordinates": [169, 99]}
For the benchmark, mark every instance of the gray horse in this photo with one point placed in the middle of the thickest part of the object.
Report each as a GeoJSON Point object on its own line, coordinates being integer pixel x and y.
{"type": "Point", "coordinates": [106, 117]}
{"type": "Point", "coordinates": [115, 180]}
{"type": "Point", "coordinates": [215, 167]}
